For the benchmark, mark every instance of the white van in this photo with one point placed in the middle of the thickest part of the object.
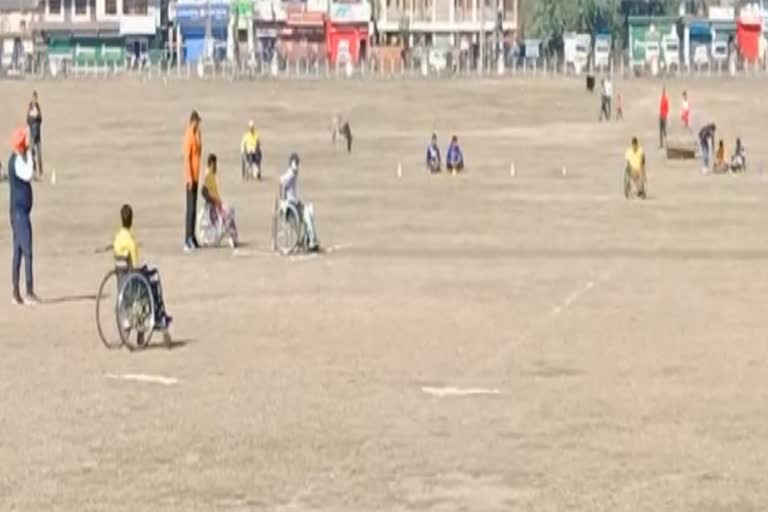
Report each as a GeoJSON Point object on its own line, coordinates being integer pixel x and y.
{"type": "Point", "coordinates": [652, 51]}
{"type": "Point", "coordinates": [602, 55]}
{"type": "Point", "coordinates": [671, 52]}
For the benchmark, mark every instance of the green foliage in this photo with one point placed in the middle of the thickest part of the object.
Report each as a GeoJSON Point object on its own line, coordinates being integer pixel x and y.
{"type": "Point", "coordinates": [546, 18]}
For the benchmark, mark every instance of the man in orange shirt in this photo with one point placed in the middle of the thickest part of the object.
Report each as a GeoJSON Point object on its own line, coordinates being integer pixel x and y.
{"type": "Point", "coordinates": [193, 147]}
{"type": "Point", "coordinates": [663, 116]}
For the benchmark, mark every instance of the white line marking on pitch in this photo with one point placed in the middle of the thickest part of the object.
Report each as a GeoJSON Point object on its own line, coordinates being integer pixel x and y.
{"type": "Point", "coordinates": [248, 252]}
{"type": "Point", "coordinates": [451, 391]}
{"type": "Point", "coordinates": [337, 247]}
{"type": "Point", "coordinates": [577, 294]}
{"type": "Point", "coordinates": [143, 377]}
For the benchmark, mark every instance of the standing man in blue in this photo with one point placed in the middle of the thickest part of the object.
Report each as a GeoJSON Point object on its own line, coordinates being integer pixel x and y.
{"type": "Point", "coordinates": [20, 171]}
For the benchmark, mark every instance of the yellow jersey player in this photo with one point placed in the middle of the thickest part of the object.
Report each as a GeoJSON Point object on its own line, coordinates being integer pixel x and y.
{"type": "Point", "coordinates": [635, 169]}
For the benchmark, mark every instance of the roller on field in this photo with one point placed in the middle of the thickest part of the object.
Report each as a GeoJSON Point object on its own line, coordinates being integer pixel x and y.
{"type": "Point", "coordinates": [681, 149]}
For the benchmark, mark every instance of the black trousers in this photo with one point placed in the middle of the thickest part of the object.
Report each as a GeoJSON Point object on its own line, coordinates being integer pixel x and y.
{"type": "Point", "coordinates": [191, 212]}
{"type": "Point", "coordinates": [22, 249]}
{"type": "Point", "coordinates": [662, 132]}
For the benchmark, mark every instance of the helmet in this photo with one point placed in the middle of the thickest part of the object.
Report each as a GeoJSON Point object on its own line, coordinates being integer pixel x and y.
{"type": "Point", "coordinates": [293, 161]}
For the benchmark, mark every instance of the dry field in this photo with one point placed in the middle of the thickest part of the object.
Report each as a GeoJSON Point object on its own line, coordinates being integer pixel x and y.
{"type": "Point", "coordinates": [626, 340]}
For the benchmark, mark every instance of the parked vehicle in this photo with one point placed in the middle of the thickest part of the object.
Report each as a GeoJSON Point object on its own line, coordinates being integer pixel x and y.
{"type": "Point", "coordinates": [719, 52]}
{"type": "Point", "coordinates": [602, 52]}
{"type": "Point", "coordinates": [700, 55]}
{"type": "Point", "coordinates": [670, 46]}
{"type": "Point", "coordinates": [576, 50]}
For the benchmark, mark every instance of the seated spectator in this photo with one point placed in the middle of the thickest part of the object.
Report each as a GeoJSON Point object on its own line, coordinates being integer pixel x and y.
{"type": "Point", "coordinates": [739, 159]}
{"type": "Point", "coordinates": [721, 159]}
{"type": "Point", "coordinates": [454, 158]}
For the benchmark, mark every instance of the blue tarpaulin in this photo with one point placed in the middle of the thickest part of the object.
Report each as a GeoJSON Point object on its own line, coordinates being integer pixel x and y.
{"type": "Point", "coordinates": [700, 32]}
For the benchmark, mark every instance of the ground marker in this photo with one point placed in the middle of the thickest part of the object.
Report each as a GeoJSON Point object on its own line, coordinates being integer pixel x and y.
{"type": "Point", "coordinates": [452, 391]}
{"type": "Point", "coordinates": [53, 176]}
{"type": "Point", "coordinates": [399, 170]}
{"type": "Point", "coordinates": [564, 171]}
{"type": "Point", "coordinates": [512, 169]}
{"type": "Point", "coordinates": [143, 377]}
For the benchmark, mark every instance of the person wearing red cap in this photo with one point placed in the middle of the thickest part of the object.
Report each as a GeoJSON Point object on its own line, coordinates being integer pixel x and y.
{"type": "Point", "coordinates": [663, 116]}
{"type": "Point", "coordinates": [20, 172]}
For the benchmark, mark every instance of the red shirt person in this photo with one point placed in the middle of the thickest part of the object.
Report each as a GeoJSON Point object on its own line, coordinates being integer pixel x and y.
{"type": "Point", "coordinates": [663, 116]}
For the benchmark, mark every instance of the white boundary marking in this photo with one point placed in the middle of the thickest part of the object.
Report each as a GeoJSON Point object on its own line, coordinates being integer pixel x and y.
{"type": "Point", "coordinates": [251, 252]}
{"type": "Point", "coordinates": [452, 391]}
{"type": "Point", "coordinates": [143, 377]}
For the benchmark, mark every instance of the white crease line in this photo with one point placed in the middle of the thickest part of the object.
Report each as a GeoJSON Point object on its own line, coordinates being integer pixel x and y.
{"type": "Point", "coordinates": [248, 252]}
{"type": "Point", "coordinates": [337, 247]}
{"type": "Point", "coordinates": [143, 377]}
{"type": "Point", "coordinates": [578, 293]}
{"type": "Point", "coordinates": [452, 391]}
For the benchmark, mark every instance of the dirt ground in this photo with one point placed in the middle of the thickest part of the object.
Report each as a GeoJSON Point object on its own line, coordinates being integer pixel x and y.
{"type": "Point", "coordinates": [622, 344]}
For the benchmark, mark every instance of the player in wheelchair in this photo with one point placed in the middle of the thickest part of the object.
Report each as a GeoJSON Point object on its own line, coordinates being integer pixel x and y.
{"type": "Point", "coordinates": [215, 221]}
{"type": "Point", "coordinates": [454, 158]}
{"type": "Point", "coordinates": [433, 155]}
{"type": "Point", "coordinates": [250, 153]}
{"type": "Point", "coordinates": [305, 232]}
{"type": "Point", "coordinates": [127, 260]}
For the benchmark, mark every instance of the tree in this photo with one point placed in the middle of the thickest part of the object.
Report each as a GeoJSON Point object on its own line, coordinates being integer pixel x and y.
{"type": "Point", "coordinates": [552, 18]}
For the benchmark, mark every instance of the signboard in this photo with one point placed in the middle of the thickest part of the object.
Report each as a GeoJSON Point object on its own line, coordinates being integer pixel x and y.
{"type": "Point", "coordinates": [532, 48]}
{"type": "Point", "coordinates": [198, 13]}
{"type": "Point", "coordinates": [641, 33]}
{"type": "Point", "coordinates": [358, 12]}
{"type": "Point", "coordinates": [305, 19]}
{"type": "Point", "coordinates": [722, 13]}
{"type": "Point", "coordinates": [242, 8]}
{"type": "Point", "coordinates": [138, 25]}
{"type": "Point", "coordinates": [266, 32]}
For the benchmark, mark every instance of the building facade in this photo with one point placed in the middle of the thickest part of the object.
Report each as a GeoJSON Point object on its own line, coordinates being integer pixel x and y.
{"type": "Point", "coordinates": [444, 22]}
{"type": "Point", "coordinates": [16, 35]}
{"type": "Point", "coordinates": [100, 31]}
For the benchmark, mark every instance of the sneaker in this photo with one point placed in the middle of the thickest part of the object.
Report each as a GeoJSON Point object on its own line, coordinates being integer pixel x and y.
{"type": "Point", "coordinates": [31, 299]}
{"type": "Point", "coordinates": [16, 299]}
{"type": "Point", "coordinates": [165, 323]}
{"type": "Point", "coordinates": [188, 247]}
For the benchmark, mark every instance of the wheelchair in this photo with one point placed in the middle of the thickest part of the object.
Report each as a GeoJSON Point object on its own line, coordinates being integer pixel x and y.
{"type": "Point", "coordinates": [250, 170]}
{"type": "Point", "coordinates": [212, 233]}
{"type": "Point", "coordinates": [133, 309]}
{"type": "Point", "coordinates": [289, 234]}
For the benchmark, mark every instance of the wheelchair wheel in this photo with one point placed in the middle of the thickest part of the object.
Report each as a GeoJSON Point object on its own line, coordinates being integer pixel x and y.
{"type": "Point", "coordinates": [208, 233]}
{"type": "Point", "coordinates": [286, 233]}
{"type": "Point", "coordinates": [135, 311]}
{"type": "Point", "coordinates": [105, 306]}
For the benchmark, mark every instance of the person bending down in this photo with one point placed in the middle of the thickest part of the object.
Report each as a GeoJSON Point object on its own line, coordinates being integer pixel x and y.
{"type": "Point", "coordinates": [706, 142]}
{"type": "Point", "coordinates": [213, 201]}
{"type": "Point", "coordinates": [125, 248]}
{"type": "Point", "coordinates": [341, 127]}
{"type": "Point", "coordinates": [634, 170]}
{"type": "Point", "coordinates": [288, 192]}
{"type": "Point", "coordinates": [433, 156]}
{"type": "Point", "coordinates": [454, 158]}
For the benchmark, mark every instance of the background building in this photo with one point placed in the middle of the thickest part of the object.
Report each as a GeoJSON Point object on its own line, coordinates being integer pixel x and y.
{"type": "Point", "coordinates": [444, 22]}
{"type": "Point", "coordinates": [101, 31]}
{"type": "Point", "coordinates": [16, 34]}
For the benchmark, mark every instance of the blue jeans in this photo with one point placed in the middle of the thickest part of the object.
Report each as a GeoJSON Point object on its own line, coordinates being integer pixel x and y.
{"type": "Point", "coordinates": [153, 276]}
{"type": "Point", "coordinates": [22, 248]}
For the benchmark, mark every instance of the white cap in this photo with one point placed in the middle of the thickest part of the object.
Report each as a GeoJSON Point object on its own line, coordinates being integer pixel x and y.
{"type": "Point", "coordinates": [251, 124]}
